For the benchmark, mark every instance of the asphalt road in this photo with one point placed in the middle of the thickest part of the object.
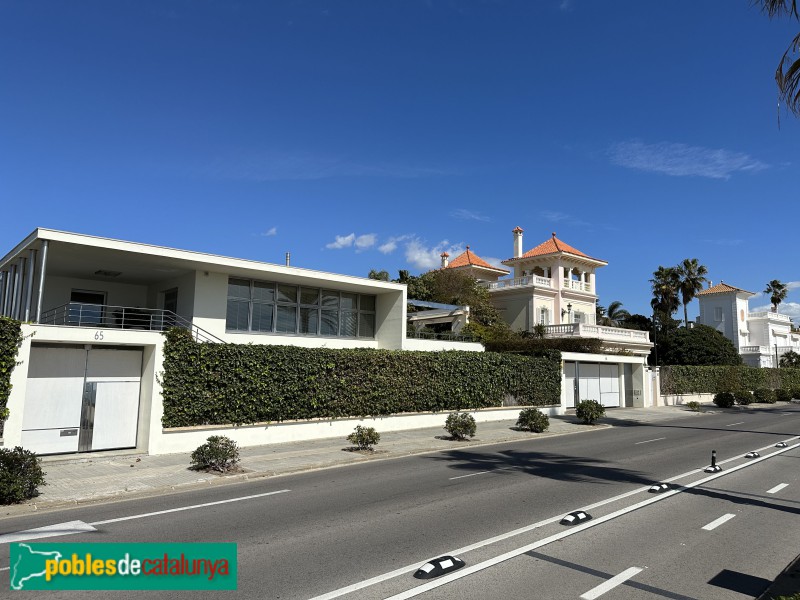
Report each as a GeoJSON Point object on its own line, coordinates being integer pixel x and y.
{"type": "Point", "coordinates": [327, 533]}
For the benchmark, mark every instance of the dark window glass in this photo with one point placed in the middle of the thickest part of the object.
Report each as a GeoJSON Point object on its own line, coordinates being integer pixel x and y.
{"type": "Point", "coordinates": [348, 326]}
{"type": "Point", "coordinates": [263, 318]}
{"type": "Point", "coordinates": [287, 319]}
{"type": "Point", "coordinates": [349, 301]}
{"type": "Point", "coordinates": [237, 315]}
{"type": "Point", "coordinates": [366, 325]}
{"type": "Point", "coordinates": [330, 322]}
{"type": "Point", "coordinates": [263, 292]}
{"type": "Point", "coordinates": [239, 288]}
{"type": "Point", "coordinates": [287, 293]}
{"type": "Point", "coordinates": [309, 320]}
{"type": "Point", "coordinates": [330, 298]}
{"type": "Point", "coordinates": [368, 303]}
{"type": "Point", "coordinates": [309, 296]}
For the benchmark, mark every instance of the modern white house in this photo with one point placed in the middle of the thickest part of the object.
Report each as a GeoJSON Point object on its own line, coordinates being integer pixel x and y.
{"type": "Point", "coordinates": [761, 337]}
{"type": "Point", "coordinates": [94, 310]}
{"type": "Point", "coordinates": [554, 286]}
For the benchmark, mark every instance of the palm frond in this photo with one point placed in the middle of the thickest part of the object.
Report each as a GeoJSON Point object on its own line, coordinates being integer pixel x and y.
{"type": "Point", "coordinates": [787, 76]}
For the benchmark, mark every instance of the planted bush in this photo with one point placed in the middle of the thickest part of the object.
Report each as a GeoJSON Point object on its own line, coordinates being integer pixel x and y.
{"type": "Point", "coordinates": [743, 397]}
{"type": "Point", "coordinates": [796, 393]}
{"type": "Point", "coordinates": [219, 453]}
{"type": "Point", "coordinates": [693, 405]}
{"type": "Point", "coordinates": [590, 411]}
{"type": "Point", "coordinates": [460, 425]}
{"type": "Point", "coordinates": [364, 437]}
{"type": "Point", "coordinates": [783, 395]}
{"type": "Point", "coordinates": [764, 395]}
{"type": "Point", "coordinates": [724, 399]}
{"type": "Point", "coordinates": [20, 475]}
{"type": "Point", "coordinates": [534, 420]}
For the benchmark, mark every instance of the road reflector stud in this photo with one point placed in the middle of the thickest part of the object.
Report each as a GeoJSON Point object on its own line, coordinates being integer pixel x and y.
{"type": "Point", "coordinates": [437, 567]}
{"type": "Point", "coordinates": [576, 517]}
{"type": "Point", "coordinates": [713, 469]}
{"type": "Point", "coordinates": [780, 445]}
{"type": "Point", "coordinates": [752, 454]}
{"type": "Point", "coordinates": [658, 488]}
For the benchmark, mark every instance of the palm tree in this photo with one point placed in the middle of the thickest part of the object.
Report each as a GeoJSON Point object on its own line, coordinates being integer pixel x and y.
{"type": "Point", "coordinates": [666, 285]}
{"type": "Point", "coordinates": [787, 75]}
{"type": "Point", "coordinates": [615, 314]}
{"type": "Point", "coordinates": [777, 293]}
{"type": "Point", "coordinates": [692, 277]}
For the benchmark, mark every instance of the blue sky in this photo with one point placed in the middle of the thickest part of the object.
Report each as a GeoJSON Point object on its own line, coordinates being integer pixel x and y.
{"type": "Point", "coordinates": [364, 134]}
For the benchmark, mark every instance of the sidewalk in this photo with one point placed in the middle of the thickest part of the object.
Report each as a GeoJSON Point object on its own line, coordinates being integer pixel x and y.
{"type": "Point", "coordinates": [72, 480]}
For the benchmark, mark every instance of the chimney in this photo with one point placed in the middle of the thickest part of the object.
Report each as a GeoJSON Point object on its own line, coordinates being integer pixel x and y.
{"type": "Point", "coordinates": [288, 256]}
{"type": "Point", "coordinates": [710, 284]}
{"type": "Point", "coordinates": [517, 242]}
{"type": "Point", "coordinates": [445, 262]}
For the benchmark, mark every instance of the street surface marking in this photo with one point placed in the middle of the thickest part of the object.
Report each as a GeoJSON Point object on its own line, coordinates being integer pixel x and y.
{"type": "Point", "coordinates": [360, 585]}
{"type": "Point", "coordinates": [470, 475]}
{"type": "Point", "coordinates": [777, 488]}
{"type": "Point", "coordinates": [182, 508]}
{"type": "Point", "coordinates": [648, 441]}
{"type": "Point", "coordinates": [56, 530]}
{"type": "Point", "coordinates": [732, 424]}
{"type": "Point", "coordinates": [717, 522]}
{"type": "Point", "coordinates": [611, 583]}
{"type": "Point", "coordinates": [420, 589]}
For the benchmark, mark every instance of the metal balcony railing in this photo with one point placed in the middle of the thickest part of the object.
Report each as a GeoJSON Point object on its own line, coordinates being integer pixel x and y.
{"type": "Point", "coordinates": [79, 314]}
{"type": "Point", "coordinates": [430, 335]}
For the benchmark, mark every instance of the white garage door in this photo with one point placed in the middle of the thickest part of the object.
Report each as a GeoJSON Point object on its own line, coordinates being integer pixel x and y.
{"type": "Point", "coordinates": [598, 382]}
{"type": "Point", "coordinates": [81, 399]}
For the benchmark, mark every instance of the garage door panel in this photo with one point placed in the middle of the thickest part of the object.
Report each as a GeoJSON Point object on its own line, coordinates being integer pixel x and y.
{"type": "Point", "coordinates": [114, 365]}
{"type": "Point", "coordinates": [50, 441]}
{"type": "Point", "coordinates": [53, 403]}
{"type": "Point", "coordinates": [115, 412]}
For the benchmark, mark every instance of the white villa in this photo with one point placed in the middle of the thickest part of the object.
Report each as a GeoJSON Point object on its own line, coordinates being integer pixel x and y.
{"type": "Point", "coordinates": [554, 285]}
{"type": "Point", "coordinates": [760, 337]}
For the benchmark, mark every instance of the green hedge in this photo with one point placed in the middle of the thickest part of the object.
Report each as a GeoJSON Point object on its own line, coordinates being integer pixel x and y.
{"type": "Point", "coordinates": [218, 384]}
{"type": "Point", "coordinates": [10, 339]}
{"type": "Point", "coordinates": [546, 346]}
{"type": "Point", "coordinates": [710, 380]}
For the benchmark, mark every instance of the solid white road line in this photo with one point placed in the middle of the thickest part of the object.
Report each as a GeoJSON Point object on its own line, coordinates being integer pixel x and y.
{"type": "Point", "coordinates": [648, 441]}
{"type": "Point", "coordinates": [777, 488]}
{"type": "Point", "coordinates": [732, 424]}
{"type": "Point", "coordinates": [469, 570]}
{"type": "Point", "coordinates": [182, 508]}
{"type": "Point", "coordinates": [611, 583]}
{"type": "Point", "coordinates": [717, 522]}
{"type": "Point", "coordinates": [69, 528]}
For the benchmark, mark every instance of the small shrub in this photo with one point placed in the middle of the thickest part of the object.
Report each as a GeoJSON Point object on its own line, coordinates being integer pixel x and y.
{"type": "Point", "coordinates": [783, 395]}
{"type": "Point", "coordinates": [724, 399]}
{"type": "Point", "coordinates": [364, 437]}
{"type": "Point", "coordinates": [460, 425]}
{"type": "Point", "coordinates": [693, 405]}
{"type": "Point", "coordinates": [590, 411]}
{"type": "Point", "coordinates": [764, 395]}
{"type": "Point", "coordinates": [219, 453]}
{"type": "Point", "coordinates": [20, 474]}
{"type": "Point", "coordinates": [743, 397]}
{"type": "Point", "coordinates": [534, 420]}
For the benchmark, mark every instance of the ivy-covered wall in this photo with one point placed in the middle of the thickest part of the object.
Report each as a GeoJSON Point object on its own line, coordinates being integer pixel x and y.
{"type": "Point", "coordinates": [10, 339]}
{"type": "Point", "coordinates": [219, 384]}
{"type": "Point", "coordinates": [710, 380]}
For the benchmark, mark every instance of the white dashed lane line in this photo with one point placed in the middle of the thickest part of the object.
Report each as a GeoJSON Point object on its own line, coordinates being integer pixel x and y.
{"type": "Point", "coordinates": [717, 522]}
{"type": "Point", "coordinates": [732, 424]}
{"type": "Point", "coordinates": [648, 441]}
{"type": "Point", "coordinates": [611, 583]}
{"type": "Point", "coordinates": [777, 488]}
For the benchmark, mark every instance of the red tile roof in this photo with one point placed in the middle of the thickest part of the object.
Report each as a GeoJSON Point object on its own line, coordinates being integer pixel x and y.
{"type": "Point", "coordinates": [721, 288]}
{"type": "Point", "coordinates": [553, 246]}
{"type": "Point", "coordinates": [470, 259]}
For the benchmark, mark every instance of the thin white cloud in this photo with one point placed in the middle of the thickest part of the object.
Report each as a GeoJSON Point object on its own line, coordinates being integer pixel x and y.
{"type": "Point", "coordinates": [425, 258]}
{"type": "Point", "coordinates": [270, 232]}
{"type": "Point", "coordinates": [565, 5]}
{"type": "Point", "coordinates": [468, 215]}
{"type": "Point", "coordinates": [785, 308]}
{"type": "Point", "coordinates": [342, 241]}
{"type": "Point", "coordinates": [792, 285]}
{"type": "Point", "coordinates": [682, 160]}
{"type": "Point", "coordinates": [495, 262]}
{"type": "Point", "coordinates": [365, 241]}
{"type": "Point", "coordinates": [391, 244]}
{"type": "Point", "coordinates": [554, 216]}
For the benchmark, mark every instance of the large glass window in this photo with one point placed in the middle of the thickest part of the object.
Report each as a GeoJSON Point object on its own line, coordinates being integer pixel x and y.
{"type": "Point", "coordinates": [269, 307]}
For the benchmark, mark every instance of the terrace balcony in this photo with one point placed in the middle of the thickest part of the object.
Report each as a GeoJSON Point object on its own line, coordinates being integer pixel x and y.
{"type": "Point", "coordinates": [768, 314]}
{"type": "Point", "coordinates": [633, 340]}
{"type": "Point", "coordinates": [536, 281]}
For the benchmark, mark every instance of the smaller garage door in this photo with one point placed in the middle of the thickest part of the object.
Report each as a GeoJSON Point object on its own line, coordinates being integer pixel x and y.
{"type": "Point", "coordinates": [598, 382]}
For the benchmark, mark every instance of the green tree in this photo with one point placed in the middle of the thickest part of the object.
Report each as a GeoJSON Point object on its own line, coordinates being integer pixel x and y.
{"type": "Point", "coordinates": [378, 275]}
{"type": "Point", "coordinates": [787, 75]}
{"type": "Point", "coordinates": [701, 345]}
{"type": "Point", "coordinates": [790, 359]}
{"type": "Point", "coordinates": [777, 293]}
{"type": "Point", "coordinates": [691, 277]}
{"type": "Point", "coordinates": [613, 316]}
{"type": "Point", "coordinates": [638, 322]}
{"type": "Point", "coordinates": [666, 285]}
